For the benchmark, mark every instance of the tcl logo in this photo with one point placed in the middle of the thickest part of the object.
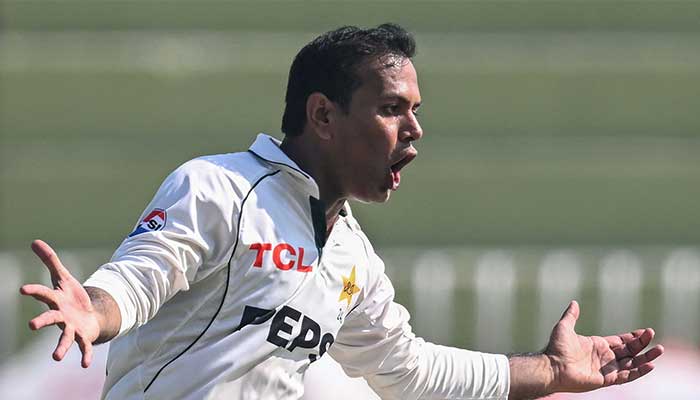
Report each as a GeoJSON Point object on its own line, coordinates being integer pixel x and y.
{"type": "Point", "coordinates": [284, 256]}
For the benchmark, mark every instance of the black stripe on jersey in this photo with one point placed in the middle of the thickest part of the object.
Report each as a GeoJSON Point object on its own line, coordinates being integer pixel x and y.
{"type": "Point", "coordinates": [279, 163]}
{"type": "Point", "coordinates": [318, 219]}
{"type": "Point", "coordinates": [228, 277]}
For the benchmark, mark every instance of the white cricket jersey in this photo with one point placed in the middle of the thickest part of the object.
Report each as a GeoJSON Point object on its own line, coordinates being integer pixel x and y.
{"type": "Point", "coordinates": [228, 288]}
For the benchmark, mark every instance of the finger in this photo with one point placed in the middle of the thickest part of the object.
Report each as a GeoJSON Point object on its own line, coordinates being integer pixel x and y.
{"type": "Point", "coordinates": [636, 345]}
{"type": "Point", "coordinates": [621, 339]}
{"type": "Point", "coordinates": [610, 367]}
{"type": "Point", "coordinates": [633, 374]}
{"type": "Point", "coordinates": [86, 349]}
{"type": "Point", "coordinates": [51, 317]}
{"type": "Point", "coordinates": [630, 344]}
{"type": "Point", "coordinates": [651, 355]}
{"type": "Point", "coordinates": [571, 314]}
{"type": "Point", "coordinates": [64, 343]}
{"type": "Point", "coordinates": [50, 259]}
{"type": "Point", "coordinates": [41, 293]}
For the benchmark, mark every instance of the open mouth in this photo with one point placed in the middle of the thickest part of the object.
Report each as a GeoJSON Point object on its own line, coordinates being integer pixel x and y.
{"type": "Point", "coordinates": [396, 169]}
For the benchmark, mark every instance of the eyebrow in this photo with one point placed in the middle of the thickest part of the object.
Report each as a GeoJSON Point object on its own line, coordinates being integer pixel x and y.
{"type": "Point", "coordinates": [400, 98]}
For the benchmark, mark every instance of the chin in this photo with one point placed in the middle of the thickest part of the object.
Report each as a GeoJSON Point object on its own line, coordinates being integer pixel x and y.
{"type": "Point", "coordinates": [385, 198]}
{"type": "Point", "coordinates": [379, 197]}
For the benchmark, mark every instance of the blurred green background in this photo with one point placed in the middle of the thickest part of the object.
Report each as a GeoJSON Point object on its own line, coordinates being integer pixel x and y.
{"type": "Point", "coordinates": [547, 124]}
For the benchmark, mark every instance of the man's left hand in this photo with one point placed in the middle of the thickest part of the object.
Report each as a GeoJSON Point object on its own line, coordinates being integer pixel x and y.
{"type": "Point", "coordinates": [583, 363]}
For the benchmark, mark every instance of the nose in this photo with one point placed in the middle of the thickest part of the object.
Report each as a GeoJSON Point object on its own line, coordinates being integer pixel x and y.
{"type": "Point", "coordinates": [411, 130]}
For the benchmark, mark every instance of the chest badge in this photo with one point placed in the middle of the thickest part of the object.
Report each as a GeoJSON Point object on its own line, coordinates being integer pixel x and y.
{"type": "Point", "coordinates": [349, 287]}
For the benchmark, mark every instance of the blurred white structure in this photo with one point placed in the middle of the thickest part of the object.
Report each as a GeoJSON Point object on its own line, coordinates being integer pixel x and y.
{"type": "Point", "coordinates": [9, 303]}
{"type": "Point", "coordinates": [620, 280]}
{"type": "Point", "coordinates": [680, 280]}
{"type": "Point", "coordinates": [559, 281]}
{"type": "Point", "coordinates": [433, 296]}
{"type": "Point", "coordinates": [494, 283]}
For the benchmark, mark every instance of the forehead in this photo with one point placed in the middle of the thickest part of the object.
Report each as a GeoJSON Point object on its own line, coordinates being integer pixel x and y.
{"type": "Point", "coordinates": [389, 76]}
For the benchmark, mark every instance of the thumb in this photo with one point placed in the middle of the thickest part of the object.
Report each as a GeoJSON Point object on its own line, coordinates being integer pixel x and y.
{"type": "Point", "coordinates": [571, 314]}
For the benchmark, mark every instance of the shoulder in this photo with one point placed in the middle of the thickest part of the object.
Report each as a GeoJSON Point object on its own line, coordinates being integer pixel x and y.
{"type": "Point", "coordinates": [242, 165]}
{"type": "Point", "coordinates": [230, 174]}
{"type": "Point", "coordinates": [375, 268]}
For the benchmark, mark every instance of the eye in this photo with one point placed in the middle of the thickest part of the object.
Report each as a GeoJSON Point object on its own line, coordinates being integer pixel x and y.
{"type": "Point", "coordinates": [415, 109]}
{"type": "Point", "coordinates": [391, 109]}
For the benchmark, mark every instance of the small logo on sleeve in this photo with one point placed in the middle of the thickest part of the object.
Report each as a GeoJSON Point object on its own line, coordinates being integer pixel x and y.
{"type": "Point", "coordinates": [154, 221]}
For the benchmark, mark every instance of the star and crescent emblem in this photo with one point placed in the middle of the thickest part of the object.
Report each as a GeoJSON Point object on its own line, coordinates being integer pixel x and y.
{"type": "Point", "coordinates": [349, 287]}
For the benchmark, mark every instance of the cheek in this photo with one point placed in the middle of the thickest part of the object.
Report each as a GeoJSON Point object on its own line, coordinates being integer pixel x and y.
{"type": "Point", "coordinates": [367, 146]}
{"type": "Point", "coordinates": [381, 138]}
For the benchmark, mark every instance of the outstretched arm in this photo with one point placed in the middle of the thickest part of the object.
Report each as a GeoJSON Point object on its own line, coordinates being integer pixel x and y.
{"type": "Point", "coordinates": [575, 363]}
{"type": "Point", "coordinates": [86, 315]}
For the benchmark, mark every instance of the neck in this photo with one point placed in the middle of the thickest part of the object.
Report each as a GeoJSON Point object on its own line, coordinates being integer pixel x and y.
{"type": "Point", "coordinates": [307, 155]}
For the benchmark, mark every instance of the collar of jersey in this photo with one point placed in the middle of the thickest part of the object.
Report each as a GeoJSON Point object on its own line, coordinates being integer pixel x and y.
{"type": "Point", "coordinates": [268, 149]}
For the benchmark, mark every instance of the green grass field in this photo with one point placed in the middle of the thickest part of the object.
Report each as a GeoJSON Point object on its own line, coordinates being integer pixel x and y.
{"type": "Point", "coordinates": [546, 122]}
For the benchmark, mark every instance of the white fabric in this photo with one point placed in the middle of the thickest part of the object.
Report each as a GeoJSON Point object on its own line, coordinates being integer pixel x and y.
{"type": "Point", "coordinates": [225, 294]}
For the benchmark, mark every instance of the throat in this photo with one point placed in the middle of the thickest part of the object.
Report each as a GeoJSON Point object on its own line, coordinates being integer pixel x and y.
{"type": "Point", "coordinates": [333, 213]}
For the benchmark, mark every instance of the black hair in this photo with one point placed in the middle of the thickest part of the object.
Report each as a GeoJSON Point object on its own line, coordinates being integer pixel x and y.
{"type": "Point", "coordinates": [329, 65]}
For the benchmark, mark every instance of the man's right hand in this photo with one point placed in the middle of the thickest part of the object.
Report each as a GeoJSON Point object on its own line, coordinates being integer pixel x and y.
{"type": "Point", "coordinates": [70, 307]}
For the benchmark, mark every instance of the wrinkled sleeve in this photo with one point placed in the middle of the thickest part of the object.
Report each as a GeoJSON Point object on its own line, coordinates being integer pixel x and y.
{"type": "Point", "coordinates": [376, 342]}
{"type": "Point", "coordinates": [151, 266]}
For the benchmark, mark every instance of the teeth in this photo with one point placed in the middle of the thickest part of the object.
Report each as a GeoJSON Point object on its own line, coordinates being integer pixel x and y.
{"type": "Point", "coordinates": [395, 180]}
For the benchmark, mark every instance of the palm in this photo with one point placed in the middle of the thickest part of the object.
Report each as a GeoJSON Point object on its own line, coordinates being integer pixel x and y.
{"type": "Point", "coordinates": [69, 305]}
{"type": "Point", "coordinates": [583, 363]}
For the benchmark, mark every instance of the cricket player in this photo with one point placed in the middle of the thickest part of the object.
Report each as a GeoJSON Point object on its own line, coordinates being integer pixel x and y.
{"type": "Point", "coordinates": [247, 267]}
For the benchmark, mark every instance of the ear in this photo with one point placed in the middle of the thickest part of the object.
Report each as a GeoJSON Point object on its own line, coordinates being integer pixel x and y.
{"type": "Point", "coordinates": [319, 114]}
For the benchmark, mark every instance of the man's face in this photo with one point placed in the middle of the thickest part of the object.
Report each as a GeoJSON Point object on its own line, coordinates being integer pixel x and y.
{"type": "Point", "coordinates": [372, 141]}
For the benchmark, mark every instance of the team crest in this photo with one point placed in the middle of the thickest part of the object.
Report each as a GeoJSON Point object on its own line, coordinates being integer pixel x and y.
{"type": "Point", "coordinates": [349, 287]}
{"type": "Point", "coordinates": [154, 221]}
